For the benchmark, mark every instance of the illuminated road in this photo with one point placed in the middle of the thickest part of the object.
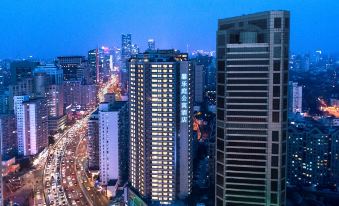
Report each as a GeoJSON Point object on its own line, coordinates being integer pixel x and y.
{"type": "Point", "coordinates": [331, 110]}
{"type": "Point", "coordinates": [65, 181]}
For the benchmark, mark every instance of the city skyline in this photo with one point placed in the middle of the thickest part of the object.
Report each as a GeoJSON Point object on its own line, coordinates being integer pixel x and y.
{"type": "Point", "coordinates": [81, 28]}
{"type": "Point", "coordinates": [150, 103]}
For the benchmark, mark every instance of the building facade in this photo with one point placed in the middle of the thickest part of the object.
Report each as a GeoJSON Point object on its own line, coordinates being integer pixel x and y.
{"type": "Point", "coordinates": [252, 75]}
{"type": "Point", "coordinates": [73, 67]}
{"type": "Point", "coordinates": [20, 122]}
{"type": "Point", "coordinates": [35, 126]}
{"type": "Point", "coordinates": [8, 136]}
{"type": "Point", "coordinates": [199, 83]}
{"type": "Point", "coordinates": [109, 141]}
{"type": "Point", "coordinates": [295, 97]}
{"type": "Point", "coordinates": [93, 141]}
{"type": "Point", "coordinates": [160, 112]}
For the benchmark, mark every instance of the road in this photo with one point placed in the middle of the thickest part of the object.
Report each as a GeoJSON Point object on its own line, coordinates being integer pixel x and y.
{"type": "Point", "coordinates": [60, 184]}
{"type": "Point", "coordinates": [87, 185]}
{"type": "Point", "coordinates": [65, 181]}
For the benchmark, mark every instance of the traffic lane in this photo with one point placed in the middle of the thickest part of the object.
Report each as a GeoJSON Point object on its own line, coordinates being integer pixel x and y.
{"type": "Point", "coordinates": [70, 174]}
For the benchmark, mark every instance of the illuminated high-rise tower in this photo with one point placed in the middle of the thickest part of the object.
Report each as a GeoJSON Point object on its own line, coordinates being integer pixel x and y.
{"type": "Point", "coordinates": [252, 78]}
{"type": "Point", "coordinates": [161, 103]}
{"type": "Point", "coordinates": [126, 46]}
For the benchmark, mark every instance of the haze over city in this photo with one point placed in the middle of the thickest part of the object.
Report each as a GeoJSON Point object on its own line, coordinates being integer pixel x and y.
{"type": "Point", "coordinates": [169, 103]}
{"type": "Point", "coordinates": [45, 29]}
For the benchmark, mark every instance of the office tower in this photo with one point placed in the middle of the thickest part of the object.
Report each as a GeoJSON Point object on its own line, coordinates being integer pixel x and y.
{"type": "Point", "coordinates": [100, 61]}
{"type": "Point", "coordinates": [151, 44]}
{"type": "Point", "coordinates": [72, 94]}
{"type": "Point", "coordinates": [48, 82]}
{"type": "Point", "coordinates": [21, 88]}
{"type": "Point", "coordinates": [79, 96]}
{"type": "Point", "coordinates": [93, 63]}
{"type": "Point", "coordinates": [88, 96]}
{"type": "Point", "coordinates": [54, 73]}
{"type": "Point", "coordinates": [199, 83]}
{"type": "Point", "coordinates": [20, 122]}
{"type": "Point", "coordinates": [109, 141]}
{"type": "Point", "coordinates": [295, 97]}
{"type": "Point", "coordinates": [126, 46]}
{"type": "Point", "coordinates": [252, 75]}
{"type": "Point", "coordinates": [93, 141]}
{"type": "Point", "coordinates": [35, 126]}
{"type": "Point", "coordinates": [8, 136]}
{"type": "Point", "coordinates": [40, 83]}
{"type": "Point", "coordinates": [55, 100]}
{"type": "Point", "coordinates": [161, 103]}
{"type": "Point", "coordinates": [208, 71]}
{"type": "Point", "coordinates": [55, 105]}
{"type": "Point", "coordinates": [21, 70]}
{"type": "Point", "coordinates": [73, 67]}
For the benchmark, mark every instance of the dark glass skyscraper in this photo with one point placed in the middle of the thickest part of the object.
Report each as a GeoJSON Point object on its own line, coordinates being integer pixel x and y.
{"type": "Point", "coordinates": [252, 78]}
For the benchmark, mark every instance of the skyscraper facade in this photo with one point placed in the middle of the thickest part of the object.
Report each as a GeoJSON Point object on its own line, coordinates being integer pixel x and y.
{"type": "Point", "coordinates": [161, 102]}
{"type": "Point", "coordinates": [252, 78]}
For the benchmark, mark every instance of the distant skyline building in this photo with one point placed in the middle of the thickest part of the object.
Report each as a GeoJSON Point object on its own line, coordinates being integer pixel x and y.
{"type": "Point", "coordinates": [94, 64]}
{"type": "Point", "coordinates": [55, 74]}
{"type": "Point", "coordinates": [72, 94]}
{"type": "Point", "coordinates": [126, 46]}
{"type": "Point", "coordinates": [295, 97]}
{"type": "Point", "coordinates": [8, 136]}
{"type": "Point", "coordinates": [199, 83]}
{"type": "Point", "coordinates": [55, 105]}
{"type": "Point", "coordinates": [100, 61]}
{"type": "Point", "coordinates": [88, 96]}
{"type": "Point", "coordinates": [73, 67]}
{"type": "Point", "coordinates": [4, 102]}
{"type": "Point", "coordinates": [161, 107]}
{"type": "Point", "coordinates": [48, 83]}
{"type": "Point", "coordinates": [151, 44]}
{"type": "Point", "coordinates": [21, 70]}
{"type": "Point", "coordinates": [21, 88]}
{"type": "Point", "coordinates": [93, 141]}
{"type": "Point", "coordinates": [252, 75]}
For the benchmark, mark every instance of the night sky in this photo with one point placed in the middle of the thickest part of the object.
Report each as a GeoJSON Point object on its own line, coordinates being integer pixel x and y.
{"type": "Point", "coordinates": [47, 28]}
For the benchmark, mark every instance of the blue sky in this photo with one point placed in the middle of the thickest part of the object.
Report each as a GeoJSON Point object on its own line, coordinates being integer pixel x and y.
{"type": "Point", "coordinates": [47, 28]}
